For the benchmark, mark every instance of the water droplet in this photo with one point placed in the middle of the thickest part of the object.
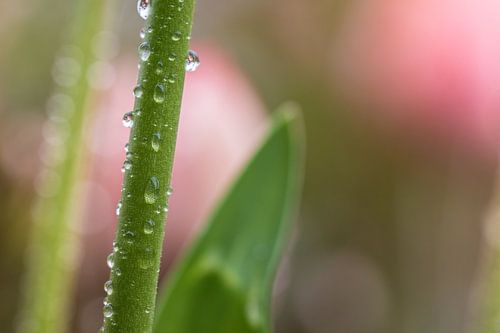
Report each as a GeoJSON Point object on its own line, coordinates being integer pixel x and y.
{"type": "Point", "coordinates": [149, 227]}
{"type": "Point", "coordinates": [128, 119]}
{"type": "Point", "coordinates": [192, 61]}
{"type": "Point", "coordinates": [118, 208]}
{"type": "Point", "coordinates": [127, 165]}
{"type": "Point", "coordinates": [172, 78]}
{"type": "Point", "coordinates": [176, 36]}
{"type": "Point", "coordinates": [155, 142]}
{"type": "Point", "coordinates": [111, 260]}
{"type": "Point", "coordinates": [152, 189]}
{"type": "Point", "coordinates": [165, 209]}
{"type": "Point", "coordinates": [118, 272]}
{"type": "Point", "coordinates": [159, 93]}
{"type": "Point", "coordinates": [138, 91]}
{"type": "Point", "coordinates": [159, 68]}
{"type": "Point", "coordinates": [172, 57]}
{"type": "Point", "coordinates": [170, 190]}
{"type": "Point", "coordinates": [108, 310]}
{"type": "Point", "coordinates": [127, 147]}
{"type": "Point", "coordinates": [144, 51]}
{"type": "Point", "coordinates": [108, 287]}
{"type": "Point", "coordinates": [142, 33]}
{"type": "Point", "coordinates": [129, 236]}
{"type": "Point", "coordinates": [144, 8]}
{"type": "Point", "coordinates": [148, 260]}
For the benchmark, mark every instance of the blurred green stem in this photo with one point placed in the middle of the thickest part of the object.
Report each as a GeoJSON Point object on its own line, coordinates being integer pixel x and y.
{"type": "Point", "coordinates": [486, 314]}
{"type": "Point", "coordinates": [135, 261]}
{"type": "Point", "coordinates": [52, 253]}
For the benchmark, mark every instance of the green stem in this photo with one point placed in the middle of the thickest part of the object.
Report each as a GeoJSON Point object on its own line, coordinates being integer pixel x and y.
{"type": "Point", "coordinates": [485, 305]}
{"type": "Point", "coordinates": [51, 257]}
{"type": "Point", "coordinates": [135, 260]}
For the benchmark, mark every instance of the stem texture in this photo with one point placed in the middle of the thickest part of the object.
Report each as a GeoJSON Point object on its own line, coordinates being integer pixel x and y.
{"type": "Point", "coordinates": [135, 260]}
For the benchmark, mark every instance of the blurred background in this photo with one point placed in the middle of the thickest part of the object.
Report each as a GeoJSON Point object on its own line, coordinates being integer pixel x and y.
{"type": "Point", "coordinates": [401, 100]}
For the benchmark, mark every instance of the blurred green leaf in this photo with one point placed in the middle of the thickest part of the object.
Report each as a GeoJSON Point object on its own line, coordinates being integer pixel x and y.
{"type": "Point", "coordinates": [224, 284]}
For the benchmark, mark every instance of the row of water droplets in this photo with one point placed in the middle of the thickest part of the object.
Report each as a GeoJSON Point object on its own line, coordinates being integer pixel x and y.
{"type": "Point", "coordinates": [152, 190]}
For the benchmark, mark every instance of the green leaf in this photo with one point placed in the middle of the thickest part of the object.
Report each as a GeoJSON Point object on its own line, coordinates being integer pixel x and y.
{"type": "Point", "coordinates": [224, 283]}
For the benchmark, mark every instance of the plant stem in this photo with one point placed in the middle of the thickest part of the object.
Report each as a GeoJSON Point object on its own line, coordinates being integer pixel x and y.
{"type": "Point", "coordinates": [485, 305]}
{"type": "Point", "coordinates": [135, 260]}
{"type": "Point", "coordinates": [51, 257]}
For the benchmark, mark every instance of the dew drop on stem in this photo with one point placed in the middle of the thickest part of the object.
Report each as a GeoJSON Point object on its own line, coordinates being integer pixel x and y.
{"type": "Point", "coordinates": [176, 36]}
{"type": "Point", "coordinates": [152, 191]}
{"type": "Point", "coordinates": [192, 61]}
{"type": "Point", "coordinates": [108, 310]}
{"type": "Point", "coordinates": [108, 287]}
{"type": "Point", "coordinates": [144, 51]}
{"type": "Point", "coordinates": [159, 93]}
{"type": "Point", "coordinates": [118, 208]}
{"type": "Point", "coordinates": [149, 227]}
{"type": "Point", "coordinates": [144, 8]}
{"type": "Point", "coordinates": [111, 260]}
{"type": "Point", "coordinates": [170, 190]}
{"type": "Point", "coordinates": [138, 92]}
{"type": "Point", "coordinates": [127, 165]}
{"type": "Point", "coordinates": [155, 142]}
{"type": "Point", "coordinates": [128, 119]}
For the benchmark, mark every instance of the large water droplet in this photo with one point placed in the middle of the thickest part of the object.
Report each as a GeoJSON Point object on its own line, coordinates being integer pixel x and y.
{"type": "Point", "coordinates": [107, 310]}
{"type": "Point", "coordinates": [144, 51]}
{"type": "Point", "coordinates": [192, 61]}
{"type": "Point", "coordinates": [155, 142]}
{"type": "Point", "coordinates": [144, 8]}
{"type": "Point", "coordinates": [176, 36]}
{"type": "Point", "coordinates": [149, 227]}
{"type": "Point", "coordinates": [128, 119]}
{"type": "Point", "coordinates": [108, 287]}
{"type": "Point", "coordinates": [111, 260]}
{"type": "Point", "coordinates": [138, 91]}
{"type": "Point", "coordinates": [159, 93]}
{"type": "Point", "coordinates": [152, 191]}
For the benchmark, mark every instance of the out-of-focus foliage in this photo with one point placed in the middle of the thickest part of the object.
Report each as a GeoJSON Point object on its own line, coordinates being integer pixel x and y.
{"type": "Point", "coordinates": [224, 284]}
{"type": "Point", "coordinates": [391, 219]}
